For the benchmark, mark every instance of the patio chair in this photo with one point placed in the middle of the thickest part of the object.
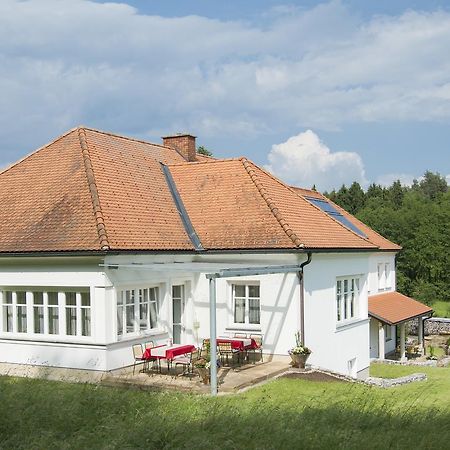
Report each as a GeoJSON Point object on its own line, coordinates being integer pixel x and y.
{"type": "Point", "coordinates": [258, 338]}
{"type": "Point", "coordinates": [226, 351]}
{"type": "Point", "coordinates": [187, 361]}
{"type": "Point", "coordinates": [151, 344]}
{"type": "Point", "coordinates": [138, 355]}
{"type": "Point", "coordinates": [204, 349]}
{"type": "Point", "coordinates": [241, 335]}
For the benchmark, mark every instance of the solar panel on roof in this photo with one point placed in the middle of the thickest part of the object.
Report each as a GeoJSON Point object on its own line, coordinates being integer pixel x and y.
{"type": "Point", "coordinates": [333, 212]}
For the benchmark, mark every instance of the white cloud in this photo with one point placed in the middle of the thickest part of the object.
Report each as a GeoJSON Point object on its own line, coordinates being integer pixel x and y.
{"type": "Point", "coordinates": [105, 65]}
{"type": "Point", "coordinates": [447, 178]}
{"type": "Point", "coordinates": [304, 160]}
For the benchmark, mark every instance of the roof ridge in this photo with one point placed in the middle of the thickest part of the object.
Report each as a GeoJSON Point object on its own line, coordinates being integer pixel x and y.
{"type": "Point", "coordinates": [99, 219]}
{"type": "Point", "coordinates": [38, 150]}
{"type": "Point", "coordinates": [213, 161]}
{"type": "Point", "coordinates": [270, 203]}
{"type": "Point", "coordinates": [121, 136]}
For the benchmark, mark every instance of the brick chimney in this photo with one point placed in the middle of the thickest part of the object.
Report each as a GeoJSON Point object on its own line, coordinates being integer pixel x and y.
{"type": "Point", "coordinates": [183, 143]}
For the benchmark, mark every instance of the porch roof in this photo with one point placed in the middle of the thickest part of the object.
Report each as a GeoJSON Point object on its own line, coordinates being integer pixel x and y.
{"type": "Point", "coordinates": [393, 308]}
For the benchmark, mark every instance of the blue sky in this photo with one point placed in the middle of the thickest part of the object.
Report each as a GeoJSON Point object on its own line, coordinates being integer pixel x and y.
{"type": "Point", "coordinates": [317, 92]}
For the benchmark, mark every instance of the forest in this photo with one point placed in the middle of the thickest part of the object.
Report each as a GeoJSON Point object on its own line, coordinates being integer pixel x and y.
{"type": "Point", "coordinates": [417, 217]}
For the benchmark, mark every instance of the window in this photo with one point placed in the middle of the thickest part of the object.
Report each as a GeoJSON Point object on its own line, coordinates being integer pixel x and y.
{"type": "Point", "coordinates": [38, 311]}
{"type": "Point", "coordinates": [381, 277]}
{"type": "Point", "coordinates": [246, 304]}
{"type": "Point", "coordinates": [137, 310]}
{"type": "Point", "coordinates": [53, 313]}
{"type": "Point", "coordinates": [347, 294]}
{"type": "Point", "coordinates": [330, 210]}
{"type": "Point", "coordinates": [85, 314]}
{"type": "Point", "coordinates": [7, 311]}
{"type": "Point", "coordinates": [21, 314]}
{"type": "Point", "coordinates": [387, 333]}
{"type": "Point", "coordinates": [71, 313]}
{"type": "Point", "coordinates": [384, 276]}
{"type": "Point", "coordinates": [387, 273]}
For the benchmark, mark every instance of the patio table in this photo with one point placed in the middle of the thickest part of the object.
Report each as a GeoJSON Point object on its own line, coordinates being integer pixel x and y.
{"type": "Point", "coordinates": [167, 352]}
{"type": "Point", "coordinates": [240, 344]}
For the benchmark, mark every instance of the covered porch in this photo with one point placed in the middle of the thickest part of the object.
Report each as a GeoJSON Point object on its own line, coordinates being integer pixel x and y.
{"type": "Point", "coordinates": [389, 313]}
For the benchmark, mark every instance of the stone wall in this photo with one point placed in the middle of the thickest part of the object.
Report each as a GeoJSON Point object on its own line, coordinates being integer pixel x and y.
{"type": "Point", "coordinates": [435, 325]}
{"type": "Point", "coordinates": [391, 382]}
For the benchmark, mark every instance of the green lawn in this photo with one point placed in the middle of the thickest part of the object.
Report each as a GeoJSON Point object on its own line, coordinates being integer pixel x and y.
{"type": "Point", "coordinates": [441, 309]}
{"type": "Point", "coordinates": [282, 414]}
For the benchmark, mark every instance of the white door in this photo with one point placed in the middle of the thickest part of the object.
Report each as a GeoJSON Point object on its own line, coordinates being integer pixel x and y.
{"type": "Point", "coordinates": [178, 313]}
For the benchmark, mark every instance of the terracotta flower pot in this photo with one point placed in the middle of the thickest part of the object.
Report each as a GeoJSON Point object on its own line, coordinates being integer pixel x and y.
{"type": "Point", "coordinates": [299, 360]}
{"type": "Point", "coordinates": [204, 374]}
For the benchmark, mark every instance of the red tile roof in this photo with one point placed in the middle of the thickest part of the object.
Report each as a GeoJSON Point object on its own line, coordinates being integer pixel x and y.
{"type": "Point", "coordinates": [373, 236]}
{"type": "Point", "coordinates": [393, 307]}
{"type": "Point", "coordinates": [95, 191]}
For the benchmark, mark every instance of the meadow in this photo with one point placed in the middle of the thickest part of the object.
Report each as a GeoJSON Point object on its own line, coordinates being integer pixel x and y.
{"type": "Point", "coordinates": [286, 413]}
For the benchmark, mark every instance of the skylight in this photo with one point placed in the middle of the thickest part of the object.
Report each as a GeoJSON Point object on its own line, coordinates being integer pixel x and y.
{"type": "Point", "coordinates": [333, 212]}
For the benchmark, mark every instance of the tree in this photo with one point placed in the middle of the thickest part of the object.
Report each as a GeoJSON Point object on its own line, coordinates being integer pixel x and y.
{"type": "Point", "coordinates": [203, 151]}
{"type": "Point", "coordinates": [396, 193]}
{"type": "Point", "coordinates": [433, 185]}
{"type": "Point", "coordinates": [355, 197]}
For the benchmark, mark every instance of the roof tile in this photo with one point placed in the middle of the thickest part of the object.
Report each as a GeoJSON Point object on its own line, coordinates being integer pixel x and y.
{"type": "Point", "coordinates": [393, 307]}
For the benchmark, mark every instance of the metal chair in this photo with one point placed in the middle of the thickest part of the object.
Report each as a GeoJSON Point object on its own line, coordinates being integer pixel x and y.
{"type": "Point", "coordinates": [138, 354]}
{"type": "Point", "coordinates": [258, 338]}
{"type": "Point", "coordinates": [151, 344]}
{"type": "Point", "coordinates": [206, 344]}
{"type": "Point", "coordinates": [241, 335]}
{"type": "Point", "coordinates": [187, 361]}
{"type": "Point", "coordinates": [226, 351]}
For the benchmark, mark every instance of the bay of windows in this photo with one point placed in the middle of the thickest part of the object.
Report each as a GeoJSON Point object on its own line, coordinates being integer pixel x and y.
{"type": "Point", "coordinates": [137, 310]}
{"type": "Point", "coordinates": [246, 304]}
{"type": "Point", "coordinates": [42, 312]}
{"type": "Point", "coordinates": [347, 294]}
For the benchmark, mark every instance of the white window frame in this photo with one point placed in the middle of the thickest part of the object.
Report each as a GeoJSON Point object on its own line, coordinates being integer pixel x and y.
{"type": "Point", "coordinates": [381, 275]}
{"type": "Point", "coordinates": [121, 308]}
{"type": "Point", "coordinates": [44, 334]}
{"type": "Point", "coordinates": [246, 323]}
{"type": "Point", "coordinates": [387, 275]}
{"type": "Point", "coordinates": [347, 299]}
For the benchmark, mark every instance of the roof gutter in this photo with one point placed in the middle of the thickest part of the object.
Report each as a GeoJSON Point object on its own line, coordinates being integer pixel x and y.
{"type": "Point", "coordinates": [301, 281]}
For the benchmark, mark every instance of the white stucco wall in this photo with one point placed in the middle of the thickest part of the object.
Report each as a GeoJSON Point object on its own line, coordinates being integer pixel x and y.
{"type": "Point", "coordinates": [333, 346]}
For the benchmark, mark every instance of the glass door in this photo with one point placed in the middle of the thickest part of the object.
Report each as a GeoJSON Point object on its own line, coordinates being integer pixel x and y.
{"type": "Point", "coordinates": [177, 313]}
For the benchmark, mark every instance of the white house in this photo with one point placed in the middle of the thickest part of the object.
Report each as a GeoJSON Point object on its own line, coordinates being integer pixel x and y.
{"type": "Point", "coordinates": [106, 241]}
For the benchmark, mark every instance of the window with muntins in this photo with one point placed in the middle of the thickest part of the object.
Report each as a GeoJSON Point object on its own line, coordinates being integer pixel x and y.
{"type": "Point", "coordinates": [137, 310]}
{"type": "Point", "coordinates": [38, 312]}
{"type": "Point", "coordinates": [246, 304]}
{"type": "Point", "coordinates": [347, 295]}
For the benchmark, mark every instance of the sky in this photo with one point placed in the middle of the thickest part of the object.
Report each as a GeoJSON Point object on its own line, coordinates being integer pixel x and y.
{"type": "Point", "coordinates": [320, 93]}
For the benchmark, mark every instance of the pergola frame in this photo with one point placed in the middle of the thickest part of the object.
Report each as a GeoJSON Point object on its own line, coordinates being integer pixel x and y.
{"type": "Point", "coordinates": [236, 270]}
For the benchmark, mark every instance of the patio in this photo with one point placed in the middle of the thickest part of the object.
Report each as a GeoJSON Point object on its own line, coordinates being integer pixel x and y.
{"type": "Point", "coordinates": [230, 379]}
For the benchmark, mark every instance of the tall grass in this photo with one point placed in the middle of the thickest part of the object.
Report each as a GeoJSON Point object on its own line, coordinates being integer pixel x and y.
{"type": "Point", "coordinates": [281, 414]}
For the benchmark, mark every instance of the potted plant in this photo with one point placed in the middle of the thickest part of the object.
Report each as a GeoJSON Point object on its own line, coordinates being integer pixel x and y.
{"type": "Point", "coordinates": [202, 366]}
{"type": "Point", "coordinates": [300, 353]}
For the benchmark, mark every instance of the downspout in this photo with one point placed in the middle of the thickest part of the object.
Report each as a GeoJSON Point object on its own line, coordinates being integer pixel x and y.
{"type": "Point", "coordinates": [302, 297]}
